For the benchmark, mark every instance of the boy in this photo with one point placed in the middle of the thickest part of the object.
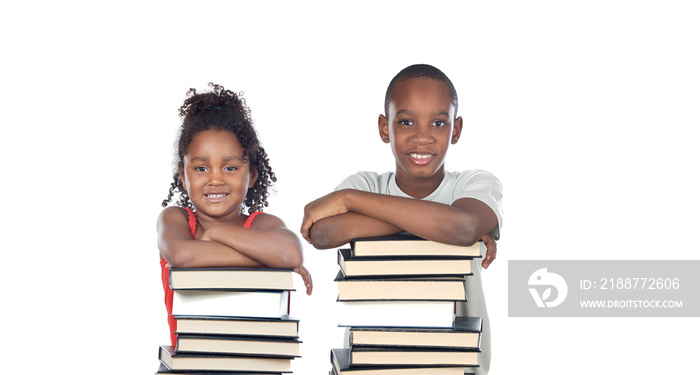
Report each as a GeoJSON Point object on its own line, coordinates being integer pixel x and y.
{"type": "Point", "coordinates": [420, 197]}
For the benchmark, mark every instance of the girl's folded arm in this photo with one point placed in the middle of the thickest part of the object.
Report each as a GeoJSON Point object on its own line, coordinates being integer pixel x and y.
{"type": "Point", "coordinates": [180, 250]}
{"type": "Point", "coordinates": [268, 241]}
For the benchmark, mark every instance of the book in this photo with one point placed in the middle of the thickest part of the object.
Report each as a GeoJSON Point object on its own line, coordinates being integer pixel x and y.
{"type": "Point", "coordinates": [438, 314]}
{"type": "Point", "coordinates": [213, 325]}
{"type": "Point", "coordinates": [409, 245]}
{"type": "Point", "coordinates": [243, 345]}
{"type": "Point", "coordinates": [340, 360]}
{"type": "Point", "coordinates": [464, 335]}
{"type": "Point", "coordinates": [163, 370]}
{"type": "Point", "coordinates": [447, 288]}
{"type": "Point", "coordinates": [402, 266]}
{"type": "Point", "coordinates": [263, 304]}
{"type": "Point", "coordinates": [391, 371]}
{"type": "Point", "coordinates": [360, 356]}
{"type": "Point", "coordinates": [221, 362]}
{"type": "Point", "coordinates": [231, 278]}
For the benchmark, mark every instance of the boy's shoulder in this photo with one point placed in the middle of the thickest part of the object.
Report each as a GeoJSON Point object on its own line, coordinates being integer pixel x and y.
{"type": "Point", "coordinates": [367, 181]}
{"type": "Point", "coordinates": [471, 176]}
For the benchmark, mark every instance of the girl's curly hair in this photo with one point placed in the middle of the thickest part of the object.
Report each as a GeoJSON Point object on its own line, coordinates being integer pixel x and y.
{"type": "Point", "coordinates": [222, 109]}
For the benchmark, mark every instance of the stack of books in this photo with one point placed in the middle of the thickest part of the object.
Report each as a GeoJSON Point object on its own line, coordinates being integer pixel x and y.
{"type": "Point", "coordinates": [398, 296]}
{"type": "Point", "coordinates": [231, 320]}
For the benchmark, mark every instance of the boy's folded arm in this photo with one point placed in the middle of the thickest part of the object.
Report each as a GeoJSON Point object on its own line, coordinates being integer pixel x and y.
{"type": "Point", "coordinates": [180, 250]}
{"type": "Point", "coordinates": [335, 231]}
{"type": "Point", "coordinates": [462, 223]}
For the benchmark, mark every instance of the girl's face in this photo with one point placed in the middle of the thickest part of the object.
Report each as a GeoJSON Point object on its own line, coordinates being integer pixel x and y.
{"type": "Point", "coordinates": [216, 175]}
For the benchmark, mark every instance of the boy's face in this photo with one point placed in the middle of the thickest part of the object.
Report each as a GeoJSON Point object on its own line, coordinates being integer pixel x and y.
{"type": "Point", "coordinates": [420, 126]}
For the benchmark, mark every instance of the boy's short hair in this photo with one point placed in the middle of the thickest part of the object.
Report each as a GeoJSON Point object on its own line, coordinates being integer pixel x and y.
{"type": "Point", "coordinates": [416, 71]}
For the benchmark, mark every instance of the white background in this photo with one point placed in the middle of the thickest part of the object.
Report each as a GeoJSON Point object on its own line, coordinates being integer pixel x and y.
{"type": "Point", "coordinates": [586, 111]}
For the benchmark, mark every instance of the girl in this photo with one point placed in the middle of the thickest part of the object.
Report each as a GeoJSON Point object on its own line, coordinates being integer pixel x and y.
{"type": "Point", "coordinates": [222, 172]}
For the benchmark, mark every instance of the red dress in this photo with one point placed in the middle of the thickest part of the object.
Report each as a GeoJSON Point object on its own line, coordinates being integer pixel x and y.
{"type": "Point", "coordinates": [165, 271]}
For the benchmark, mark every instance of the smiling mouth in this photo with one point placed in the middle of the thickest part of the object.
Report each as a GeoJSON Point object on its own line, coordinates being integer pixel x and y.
{"type": "Point", "coordinates": [421, 158]}
{"type": "Point", "coordinates": [215, 195]}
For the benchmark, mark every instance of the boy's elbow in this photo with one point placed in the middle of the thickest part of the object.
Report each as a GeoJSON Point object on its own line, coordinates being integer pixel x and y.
{"type": "Point", "coordinates": [467, 239]}
{"type": "Point", "coordinates": [322, 236]}
{"type": "Point", "coordinates": [465, 234]}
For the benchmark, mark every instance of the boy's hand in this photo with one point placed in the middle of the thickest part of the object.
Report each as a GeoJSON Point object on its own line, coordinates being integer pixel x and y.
{"type": "Point", "coordinates": [306, 276]}
{"type": "Point", "coordinates": [491, 250]}
{"type": "Point", "coordinates": [329, 205]}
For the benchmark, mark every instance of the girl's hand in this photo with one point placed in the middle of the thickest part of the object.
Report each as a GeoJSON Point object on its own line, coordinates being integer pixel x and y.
{"type": "Point", "coordinates": [306, 276]}
{"type": "Point", "coordinates": [491, 250]}
{"type": "Point", "coordinates": [208, 234]}
{"type": "Point", "coordinates": [329, 205]}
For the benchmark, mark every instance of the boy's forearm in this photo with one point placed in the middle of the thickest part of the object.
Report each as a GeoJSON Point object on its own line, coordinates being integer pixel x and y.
{"type": "Point", "coordinates": [459, 224]}
{"type": "Point", "coordinates": [335, 231]}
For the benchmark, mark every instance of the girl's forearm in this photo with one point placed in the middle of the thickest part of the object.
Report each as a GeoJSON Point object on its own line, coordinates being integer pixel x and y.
{"type": "Point", "coordinates": [276, 248]}
{"type": "Point", "coordinates": [198, 254]}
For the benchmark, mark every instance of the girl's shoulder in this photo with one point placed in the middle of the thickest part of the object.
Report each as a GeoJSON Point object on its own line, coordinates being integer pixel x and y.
{"type": "Point", "coordinates": [266, 221]}
{"type": "Point", "coordinates": [176, 216]}
{"type": "Point", "coordinates": [174, 212]}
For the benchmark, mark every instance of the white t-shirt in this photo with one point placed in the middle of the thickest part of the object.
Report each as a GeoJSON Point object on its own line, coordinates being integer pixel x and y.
{"type": "Point", "coordinates": [477, 184]}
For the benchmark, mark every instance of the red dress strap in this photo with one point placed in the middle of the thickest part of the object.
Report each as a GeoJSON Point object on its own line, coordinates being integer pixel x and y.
{"type": "Point", "coordinates": [191, 221]}
{"type": "Point", "coordinates": [249, 220]}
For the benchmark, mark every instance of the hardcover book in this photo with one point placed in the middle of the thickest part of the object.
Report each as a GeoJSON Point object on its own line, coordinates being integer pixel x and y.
{"type": "Point", "coordinates": [464, 335]}
{"type": "Point", "coordinates": [242, 345]}
{"type": "Point", "coordinates": [437, 314]}
{"type": "Point", "coordinates": [402, 265]}
{"type": "Point", "coordinates": [340, 360]}
{"type": "Point", "coordinates": [220, 362]}
{"type": "Point", "coordinates": [409, 245]}
{"type": "Point", "coordinates": [163, 370]}
{"type": "Point", "coordinates": [412, 356]}
{"type": "Point", "coordinates": [231, 278]}
{"type": "Point", "coordinates": [446, 288]}
{"type": "Point", "coordinates": [213, 325]}
{"type": "Point", "coordinates": [263, 304]}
